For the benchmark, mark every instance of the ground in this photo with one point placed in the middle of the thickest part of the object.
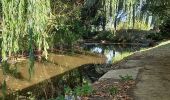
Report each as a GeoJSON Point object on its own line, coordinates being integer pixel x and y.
{"type": "Point", "coordinates": [154, 78]}
{"type": "Point", "coordinates": [152, 81]}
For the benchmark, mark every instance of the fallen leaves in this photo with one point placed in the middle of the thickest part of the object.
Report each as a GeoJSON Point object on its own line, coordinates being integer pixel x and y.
{"type": "Point", "coordinates": [101, 90]}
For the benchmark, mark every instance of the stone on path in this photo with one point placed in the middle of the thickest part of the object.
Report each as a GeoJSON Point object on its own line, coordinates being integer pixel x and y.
{"type": "Point", "coordinates": [115, 74]}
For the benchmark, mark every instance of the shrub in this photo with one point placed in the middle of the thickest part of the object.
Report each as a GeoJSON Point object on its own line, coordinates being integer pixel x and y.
{"type": "Point", "coordinates": [105, 35]}
{"type": "Point", "coordinates": [165, 28]}
{"type": "Point", "coordinates": [155, 36]}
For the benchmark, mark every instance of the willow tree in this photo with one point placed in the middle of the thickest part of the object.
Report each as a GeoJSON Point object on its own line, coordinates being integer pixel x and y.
{"type": "Point", "coordinates": [22, 18]}
{"type": "Point", "coordinates": [13, 25]}
{"type": "Point", "coordinates": [38, 15]}
{"type": "Point", "coordinates": [115, 10]}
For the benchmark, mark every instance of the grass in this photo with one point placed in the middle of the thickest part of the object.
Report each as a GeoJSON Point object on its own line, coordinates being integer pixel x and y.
{"type": "Point", "coordinates": [126, 78]}
{"type": "Point", "coordinates": [113, 90]}
{"type": "Point", "coordinates": [121, 56]}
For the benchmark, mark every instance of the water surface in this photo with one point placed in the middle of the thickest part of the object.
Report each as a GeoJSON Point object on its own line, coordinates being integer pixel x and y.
{"type": "Point", "coordinates": [112, 52]}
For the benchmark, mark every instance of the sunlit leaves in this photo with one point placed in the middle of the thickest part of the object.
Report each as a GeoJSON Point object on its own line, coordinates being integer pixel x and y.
{"type": "Point", "coordinates": [19, 17]}
{"type": "Point", "coordinates": [13, 25]}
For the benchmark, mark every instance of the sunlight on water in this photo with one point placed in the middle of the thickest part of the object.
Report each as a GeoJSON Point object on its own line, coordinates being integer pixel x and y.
{"type": "Point", "coordinates": [113, 53]}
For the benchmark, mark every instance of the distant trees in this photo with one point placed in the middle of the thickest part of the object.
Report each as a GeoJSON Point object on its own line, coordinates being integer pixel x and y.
{"type": "Point", "coordinates": [126, 12]}
{"type": "Point", "coordinates": [160, 9]}
{"type": "Point", "coordinates": [157, 8]}
{"type": "Point", "coordinates": [130, 13]}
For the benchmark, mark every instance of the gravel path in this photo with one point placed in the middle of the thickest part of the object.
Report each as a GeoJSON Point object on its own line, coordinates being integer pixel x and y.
{"type": "Point", "coordinates": [154, 79]}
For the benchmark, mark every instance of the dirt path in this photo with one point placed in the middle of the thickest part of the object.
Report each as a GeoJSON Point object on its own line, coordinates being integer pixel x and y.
{"type": "Point", "coordinates": [154, 79]}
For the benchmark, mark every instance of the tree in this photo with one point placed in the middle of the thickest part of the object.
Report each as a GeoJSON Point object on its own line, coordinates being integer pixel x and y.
{"type": "Point", "coordinates": [24, 19]}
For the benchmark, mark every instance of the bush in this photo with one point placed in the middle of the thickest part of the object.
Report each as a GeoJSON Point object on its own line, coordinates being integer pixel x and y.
{"type": "Point", "coordinates": [105, 35]}
{"type": "Point", "coordinates": [155, 36]}
{"type": "Point", "coordinates": [165, 28]}
{"type": "Point", "coordinates": [66, 35]}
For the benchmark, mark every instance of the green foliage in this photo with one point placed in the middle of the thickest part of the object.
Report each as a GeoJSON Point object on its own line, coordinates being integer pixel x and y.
{"type": "Point", "coordinates": [164, 32]}
{"type": "Point", "coordinates": [164, 29]}
{"type": "Point", "coordinates": [105, 35]}
{"type": "Point", "coordinates": [157, 8]}
{"type": "Point", "coordinates": [4, 89]}
{"type": "Point", "coordinates": [155, 36]}
{"type": "Point", "coordinates": [38, 13]}
{"type": "Point", "coordinates": [24, 20]}
{"type": "Point", "coordinates": [67, 34]}
{"type": "Point", "coordinates": [66, 27]}
{"type": "Point", "coordinates": [31, 96]}
{"type": "Point", "coordinates": [113, 90]}
{"type": "Point", "coordinates": [13, 25]}
{"type": "Point", "coordinates": [68, 90]}
{"type": "Point", "coordinates": [59, 98]}
{"type": "Point", "coordinates": [78, 91]}
{"type": "Point", "coordinates": [126, 78]}
{"type": "Point", "coordinates": [85, 90]}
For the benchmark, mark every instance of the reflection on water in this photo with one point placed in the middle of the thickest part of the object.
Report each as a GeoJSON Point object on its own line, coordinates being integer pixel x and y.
{"type": "Point", "coordinates": [112, 52]}
{"type": "Point", "coordinates": [92, 72]}
{"type": "Point", "coordinates": [84, 73]}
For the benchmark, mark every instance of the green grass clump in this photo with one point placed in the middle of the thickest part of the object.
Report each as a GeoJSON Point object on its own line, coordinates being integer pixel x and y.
{"type": "Point", "coordinates": [126, 78]}
{"type": "Point", "coordinates": [121, 56]}
{"type": "Point", "coordinates": [113, 90]}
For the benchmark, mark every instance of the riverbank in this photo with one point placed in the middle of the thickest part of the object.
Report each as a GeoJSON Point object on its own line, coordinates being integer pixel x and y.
{"type": "Point", "coordinates": [151, 81]}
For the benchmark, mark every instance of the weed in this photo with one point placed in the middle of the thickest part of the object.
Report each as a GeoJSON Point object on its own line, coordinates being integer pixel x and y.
{"type": "Point", "coordinates": [113, 90]}
{"type": "Point", "coordinates": [86, 89]}
{"type": "Point", "coordinates": [126, 78]}
{"type": "Point", "coordinates": [31, 96]}
{"type": "Point", "coordinates": [83, 90]}
{"type": "Point", "coordinates": [67, 90]}
{"type": "Point", "coordinates": [60, 98]}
